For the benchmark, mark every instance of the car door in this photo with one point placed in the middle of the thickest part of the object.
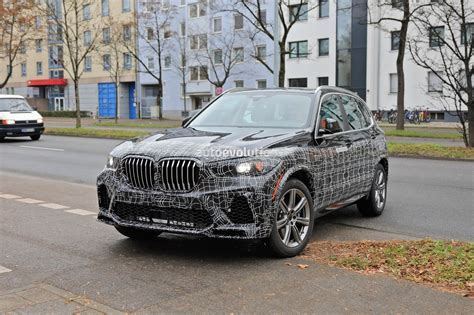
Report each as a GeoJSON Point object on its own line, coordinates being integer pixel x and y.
{"type": "Point", "coordinates": [360, 163]}
{"type": "Point", "coordinates": [331, 141]}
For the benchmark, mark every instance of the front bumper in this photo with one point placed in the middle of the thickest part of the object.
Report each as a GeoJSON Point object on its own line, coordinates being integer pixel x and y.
{"type": "Point", "coordinates": [239, 207]}
{"type": "Point", "coordinates": [23, 130]}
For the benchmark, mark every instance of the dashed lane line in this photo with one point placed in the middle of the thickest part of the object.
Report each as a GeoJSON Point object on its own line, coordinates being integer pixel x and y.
{"type": "Point", "coordinates": [30, 200]}
{"type": "Point", "coordinates": [80, 212]}
{"type": "Point", "coordinates": [41, 148]}
{"type": "Point", "coordinates": [54, 206]}
{"type": "Point", "coordinates": [9, 196]}
{"type": "Point", "coordinates": [4, 269]}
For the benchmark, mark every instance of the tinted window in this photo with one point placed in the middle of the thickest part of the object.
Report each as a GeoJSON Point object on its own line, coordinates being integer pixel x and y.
{"type": "Point", "coordinates": [330, 115]}
{"type": "Point", "coordinates": [366, 113]}
{"type": "Point", "coordinates": [354, 116]}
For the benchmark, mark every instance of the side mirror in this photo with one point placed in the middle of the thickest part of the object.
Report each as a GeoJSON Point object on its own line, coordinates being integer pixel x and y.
{"type": "Point", "coordinates": [191, 114]}
{"type": "Point", "coordinates": [185, 120]}
{"type": "Point", "coordinates": [34, 108]}
{"type": "Point", "coordinates": [322, 132]}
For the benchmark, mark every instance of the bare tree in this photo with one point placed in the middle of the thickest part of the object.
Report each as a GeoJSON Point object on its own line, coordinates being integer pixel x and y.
{"type": "Point", "coordinates": [180, 65]}
{"type": "Point", "coordinates": [444, 45]}
{"type": "Point", "coordinates": [17, 26]}
{"type": "Point", "coordinates": [154, 37]}
{"type": "Point", "coordinates": [289, 13]}
{"type": "Point", "coordinates": [400, 12]}
{"type": "Point", "coordinates": [73, 26]}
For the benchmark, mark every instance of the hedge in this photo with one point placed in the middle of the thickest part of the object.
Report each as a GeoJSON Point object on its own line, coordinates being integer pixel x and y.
{"type": "Point", "coordinates": [65, 114]}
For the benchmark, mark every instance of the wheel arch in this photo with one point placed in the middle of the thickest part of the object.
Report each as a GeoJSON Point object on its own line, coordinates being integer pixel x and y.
{"type": "Point", "coordinates": [384, 163]}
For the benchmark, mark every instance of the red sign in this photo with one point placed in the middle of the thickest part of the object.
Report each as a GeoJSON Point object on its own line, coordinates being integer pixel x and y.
{"type": "Point", "coordinates": [219, 90]}
{"type": "Point", "coordinates": [47, 82]}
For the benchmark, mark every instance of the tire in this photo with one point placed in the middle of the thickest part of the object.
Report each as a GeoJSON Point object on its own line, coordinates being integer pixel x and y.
{"type": "Point", "coordinates": [374, 205]}
{"type": "Point", "coordinates": [35, 137]}
{"type": "Point", "coordinates": [136, 234]}
{"type": "Point", "coordinates": [283, 240]}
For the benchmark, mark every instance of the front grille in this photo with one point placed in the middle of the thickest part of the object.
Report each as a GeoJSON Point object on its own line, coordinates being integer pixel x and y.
{"type": "Point", "coordinates": [24, 122]}
{"type": "Point", "coordinates": [240, 212]}
{"type": "Point", "coordinates": [174, 217]}
{"type": "Point", "coordinates": [178, 174]}
{"type": "Point", "coordinates": [139, 171]}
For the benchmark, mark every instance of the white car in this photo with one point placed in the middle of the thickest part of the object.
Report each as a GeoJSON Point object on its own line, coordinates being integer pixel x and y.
{"type": "Point", "coordinates": [18, 119]}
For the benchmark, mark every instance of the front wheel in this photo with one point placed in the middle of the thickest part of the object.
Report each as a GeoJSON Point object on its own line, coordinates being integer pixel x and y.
{"type": "Point", "coordinates": [374, 205]}
{"type": "Point", "coordinates": [136, 234]}
{"type": "Point", "coordinates": [294, 220]}
{"type": "Point", "coordinates": [35, 137]}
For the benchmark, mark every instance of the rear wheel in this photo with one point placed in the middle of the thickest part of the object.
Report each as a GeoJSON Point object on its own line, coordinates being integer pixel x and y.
{"type": "Point", "coordinates": [35, 137]}
{"type": "Point", "coordinates": [137, 234]}
{"type": "Point", "coordinates": [294, 220]}
{"type": "Point", "coordinates": [375, 203]}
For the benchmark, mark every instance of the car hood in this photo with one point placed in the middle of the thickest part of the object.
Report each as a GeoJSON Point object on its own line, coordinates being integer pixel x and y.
{"type": "Point", "coordinates": [214, 143]}
{"type": "Point", "coordinates": [33, 115]}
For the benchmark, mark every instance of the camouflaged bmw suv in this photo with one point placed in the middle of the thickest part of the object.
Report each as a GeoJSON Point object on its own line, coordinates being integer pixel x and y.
{"type": "Point", "coordinates": [253, 164]}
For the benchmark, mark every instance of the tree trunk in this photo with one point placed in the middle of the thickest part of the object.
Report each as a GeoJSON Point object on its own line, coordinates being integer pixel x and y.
{"type": "Point", "coordinates": [159, 100]}
{"type": "Point", "coordinates": [282, 70]}
{"type": "Point", "coordinates": [400, 67]}
{"type": "Point", "coordinates": [117, 99]}
{"type": "Point", "coordinates": [184, 95]}
{"type": "Point", "coordinates": [78, 104]}
{"type": "Point", "coordinates": [470, 122]}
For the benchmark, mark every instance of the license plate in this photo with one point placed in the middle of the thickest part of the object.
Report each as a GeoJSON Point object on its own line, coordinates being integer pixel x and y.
{"type": "Point", "coordinates": [28, 130]}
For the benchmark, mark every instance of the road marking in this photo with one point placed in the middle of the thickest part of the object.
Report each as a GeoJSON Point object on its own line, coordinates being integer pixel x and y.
{"type": "Point", "coordinates": [29, 200]}
{"type": "Point", "coordinates": [9, 196]}
{"type": "Point", "coordinates": [40, 148]}
{"type": "Point", "coordinates": [4, 269]}
{"type": "Point", "coordinates": [54, 206]}
{"type": "Point", "coordinates": [80, 212]}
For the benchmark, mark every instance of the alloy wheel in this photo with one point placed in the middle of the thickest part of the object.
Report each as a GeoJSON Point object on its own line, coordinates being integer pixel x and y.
{"type": "Point", "coordinates": [380, 190]}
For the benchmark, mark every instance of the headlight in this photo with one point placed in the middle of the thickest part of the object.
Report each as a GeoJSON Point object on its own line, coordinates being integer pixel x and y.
{"type": "Point", "coordinates": [245, 167]}
{"type": "Point", "coordinates": [112, 162]}
{"type": "Point", "coordinates": [40, 120]}
{"type": "Point", "coordinates": [8, 122]}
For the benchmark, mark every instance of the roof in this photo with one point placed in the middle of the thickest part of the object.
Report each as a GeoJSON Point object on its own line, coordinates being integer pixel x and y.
{"type": "Point", "coordinates": [297, 89]}
{"type": "Point", "coordinates": [11, 96]}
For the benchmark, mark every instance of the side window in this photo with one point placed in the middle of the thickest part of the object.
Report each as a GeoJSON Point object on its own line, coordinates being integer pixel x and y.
{"type": "Point", "coordinates": [366, 113]}
{"type": "Point", "coordinates": [331, 118]}
{"type": "Point", "coordinates": [354, 116]}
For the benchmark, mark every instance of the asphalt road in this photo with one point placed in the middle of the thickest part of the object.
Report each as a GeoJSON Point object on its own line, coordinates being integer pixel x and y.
{"type": "Point", "coordinates": [48, 235]}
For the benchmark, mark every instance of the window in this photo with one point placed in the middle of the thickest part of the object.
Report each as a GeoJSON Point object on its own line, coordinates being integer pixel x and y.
{"type": "Point", "coordinates": [393, 82]}
{"type": "Point", "coordinates": [127, 33]}
{"type": "Point", "coordinates": [299, 49]}
{"type": "Point", "coordinates": [106, 35]}
{"type": "Point", "coordinates": [323, 81]}
{"type": "Point", "coordinates": [87, 38]}
{"type": "Point", "coordinates": [298, 12]}
{"type": "Point", "coordinates": [165, 4]}
{"type": "Point", "coordinates": [150, 33]}
{"type": "Point", "coordinates": [127, 61]}
{"type": "Point", "coordinates": [88, 64]}
{"type": "Point", "coordinates": [298, 82]}
{"type": "Point", "coordinates": [86, 11]}
{"type": "Point", "coordinates": [106, 62]}
{"type": "Point", "coordinates": [167, 61]}
{"type": "Point", "coordinates": [238, 22]}
{"type": "Point", "coordinates": [435, 84]}
{"type": "Point", "coordinates": [217, 25]}
{"type": "Point", "coordinates": [167, 31]}
{"type": "Point", "coordinates": [151, 63]}
{"type": "Point", "coordinates": [39, 45]}
{"type": "Point", "coordinates": [323, 6]}
{"type": "Point", "coordinates": [398, 4]}
{"type": "Point", "coordinates": [263, 16]}
{"type": "Point", "coordinates": [193, 10]}
{"type": "Point", "coordinates": [262, 52]}
{"type": "Point", "coordinates": [467, 29]}
{"type": "Point", "coordinates": [182, 29]}
{"type": "Point", "coordinates": [239, 83]}
{"type": "Point", "coordinates": [365, 113]}
{"type": "Point", "coordinates": [395, 40]}
{"type": "Point", "coordinates": [239, 54]}
{"type": "Point", "coordinates": [331, 119]}
{"type": "Point", "coordinates": [198, 42]}
{"type": "Point", "coordinates": [23, 69]}
{"type": "Point", "coordinates": [151, 91]}
{"type": "Point", "coordinates": [198, 73]}
{"type": "Point", "coordinates": [22, 48]}
{"type": "Point", "coordinates": [262, 84]}
{"type": "Point", "coordinates": [126, 7]}
{"type": "Point", "coordinates": [217, 56]}
{"type": "Point", "coordinates": [39, 68]}
{"type": "Point", "coordinates": [323, 46]}
{"type": "Point", "coordinates": [198, 9]}
{"type": "Point", "coordinates": [436, 36]}
{"type": "Point", "coordinates": [105, 7]}
{"type": "Point", "coordinates": [354, 115]}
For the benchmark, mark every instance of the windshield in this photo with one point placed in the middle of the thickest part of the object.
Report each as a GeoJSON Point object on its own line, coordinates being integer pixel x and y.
{"type": "Point", "coordinates": [14, 105]}
{"type": "Point", "coordinates": [270, 109]}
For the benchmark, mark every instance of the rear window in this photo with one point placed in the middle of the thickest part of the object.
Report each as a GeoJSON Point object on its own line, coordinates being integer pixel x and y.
{"type": "Point", "coordinates": [14, 105]}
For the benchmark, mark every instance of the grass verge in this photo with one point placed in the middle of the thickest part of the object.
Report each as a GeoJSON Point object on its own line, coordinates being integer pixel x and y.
{"type": "Point", "coordinates": [447, 265]}
{"type": "Point", "coordinates": [430, 151]}
{"type": "Point", "coordinates": [423, 134]}
{"type": "Point", "coordinates": [95, 133]}
{"type": "Point", "coordinates": [161, 124]}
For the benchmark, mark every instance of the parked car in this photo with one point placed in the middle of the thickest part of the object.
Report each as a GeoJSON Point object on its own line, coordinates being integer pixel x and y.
{"type": "Point", "coordinates": [254, 164]}
{"type": "Point", "coordinates": [18, 119]}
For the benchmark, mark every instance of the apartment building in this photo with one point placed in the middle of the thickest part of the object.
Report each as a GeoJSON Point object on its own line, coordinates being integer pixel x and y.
{"type": "Point", "coordinates": [202, 39]}
{"type": "Point", "coordinates": [40, 74]}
